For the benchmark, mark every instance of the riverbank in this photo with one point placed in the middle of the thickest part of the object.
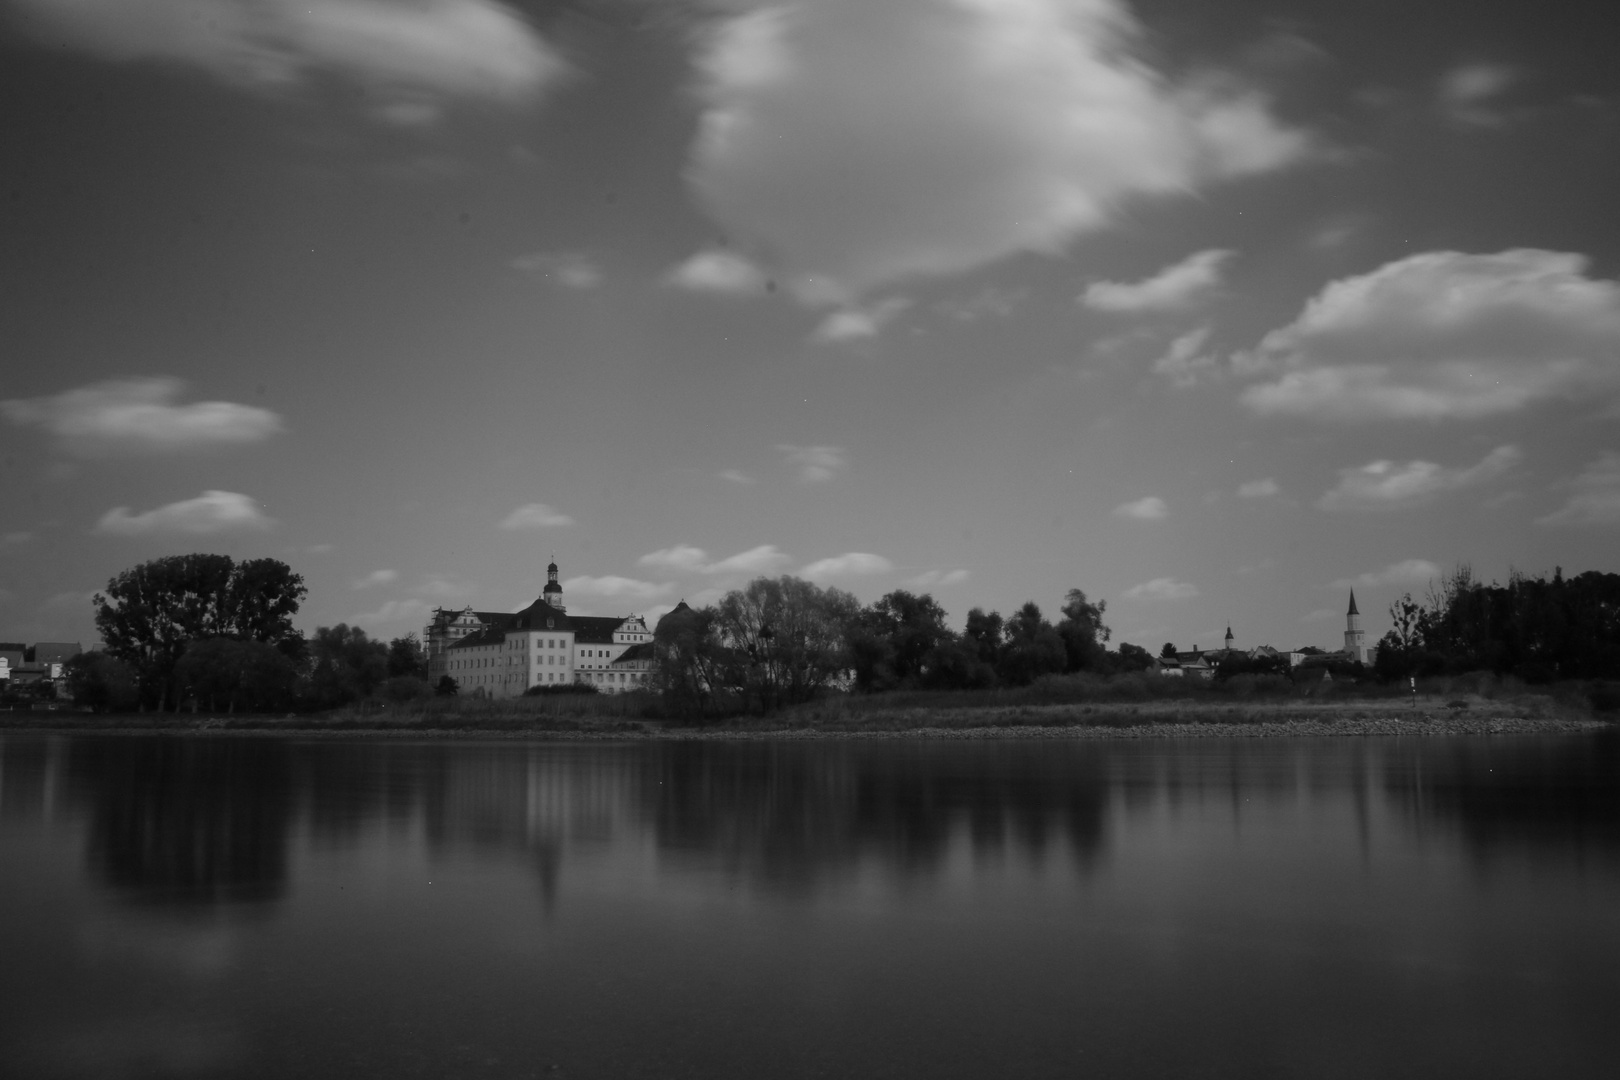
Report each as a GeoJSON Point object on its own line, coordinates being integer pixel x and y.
{"type": "Point", "coordinates": [1148, 720]}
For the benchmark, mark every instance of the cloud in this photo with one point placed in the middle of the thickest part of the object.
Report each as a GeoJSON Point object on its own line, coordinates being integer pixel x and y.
{"type": "Point", "coordinates": [1185, 365]}
{"type": "Point", "coordinates": [1443, 335]}
{"type": "Point", "coordinates": [849, 564]}
{"type": "Point", "coordinates": [1149, 508]}
{"type": "Point", "coordinates": [406, 54]}
{"type": "Point", "coordinates": [989, 302]}
{"type": "Point", "coordinates": [1385, 485]}
{"type": "Point", "coordinates": [19, 537]}
{"type": "Point", "coordinates": [1177, 286]}
{"type": "Point", "coordinates": [1161, 588]}
{"type": "Point", "coordinates": [208, 514]}
{"type": "Point", "coordinates": [413, 612]}
{"type": "Point", "coordinates": [758, 560]}
{"type": "Point", "coordinates": [1405, 572]}
{"type": "Point", "coordinates": [722, 272]}
{"type": "Point", "coordinates": [140, 416]}
{"type": "Point", "coordinates": [570, 269]}
{"type": "Point", "coordinates": [1465, 93]}
{"type": "Point", "coordinates": [929, 579]}
{"type": "Point", "coordinates": [1322, 614]}
{"type": "Point", "coordinates": [535, 516]}
{"type": "Point", "coordinates": [443, 587]}
{"type": "Point", "coordinates": [736, 476]}
{"type": "Point", "coordinates": [816, 464]}
{"type": "Point", "coordinates": [680, 557]}
{"type": "Point", "coordinates": [856, 323]}
{"type": "Point", "coordinates": [376, 577]}
{"type": "Point", "coordinates": [612, 587]}
{"type": "Point", "coordinates": [864, 143]}
{"type": "Point", "coordinates": [1596, 500]}
{"type": "Point", "coordinates": [1258, 489]}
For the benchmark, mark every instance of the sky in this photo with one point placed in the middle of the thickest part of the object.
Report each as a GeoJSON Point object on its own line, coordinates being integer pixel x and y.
{"type": "Point", "coordinates": [1214, 312]}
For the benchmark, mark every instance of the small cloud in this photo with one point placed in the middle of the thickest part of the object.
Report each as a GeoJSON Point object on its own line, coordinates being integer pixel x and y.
{"type": "Point", "coordinates": [680, 557]}
{"type": "Point", "coordinates": [1177, 286]}
{"type": "Point", "coordinates": [758, 560]}
{"type": "Point", "coordinates": [816, 464]}
{"type": "Point", "coordinates": [736, 476]}
{"type": "Point", "coordinates": [12, 538]}
{"type": "Point", "coordinates": [850, 564]}
{"type": "Point", "coordinates": [1596, 500]}
{"type": "Point", "coordinates": [376, 577]}
{"type": "Point", "coordinates": [1385, 485]}
{"type": "Point", "coordinates": [1258, 489]}
{"type": "Point", "coordinates": [1162, 588]}
{"type": "Point", "coordinates": [930, 579]}
{"type": "Point", "coordinates": [140, 415]}
{"type": "Point", "coordinates": [1405, 572]}
{"type": "Point", "coordinates": [613, 587]}
{"type": "Point", "coordinates": [1150, 508]}
{"type": "Point", "coordinates": [535, 516]}
{"type": "Point", "coordinates": [210, 513]}
{"type": "Point", "coordinates": [721, 272]}
{"type": "Point", "coordinates": [413, 613]}
{"type": "Point", "coordinates": [858, 323]}
{"type": "Point", "coordinates": [1186, 365]}
{"type": "Point", "coordinates": [989, 302]}
{"type": "Point", "coordinates": [567, 268]}
{"type": "Point", "coordinates": [1465, 93]}
{"type": "Point", "coordinates": [320, 549]}
{"type": "Point", "coordinates": [1322, 614]}
{"type": "Point", "coordinates": [443, 587]}
{"type": "Point", "coordinates": [410, 114]}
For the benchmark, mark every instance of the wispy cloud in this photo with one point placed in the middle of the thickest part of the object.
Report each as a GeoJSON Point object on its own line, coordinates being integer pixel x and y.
{"type": "Point", "coordinates": [408, 56]}
{"type": "Point", "coordinates": [1443, 335]}
{"type": "Point", "coordinates": [612, 587]}
{"type": "Point", "coordinates": [209, 514]}
{"type": "Point", "coordinates": [1386, 485]}
{"type": "Point", "coordinates": [570, 269]}
{"type": "Point", "coordinates": [680, 557]}
{"type": "Point", "coordinates": [1405, 572]}
{"type": "Point", "coordinates": [536, 516]}
{"type": "Point", "coordinates": [395, 614]}
{"type": "Point", "coordinates": [1176, 286]}
{"type": "Point", "coordinates": [375, 578]}
{"type": "Point", "coordinates": [1258, 489]}
{"type": "Point", "coordinates": [845, 138]}
{"type": "Point", "coordinates": [1162, 588]}
{"type": "Point", "coordinates": [764, 559]}
{"type": "Point", "coordinates": [849, 564]}
{"type": "Point", "coordinates": [1148, 508]}
{"type": "Point", "coordinates": [736, 476]}
{"type": "Point", "coordinates": [1596, 498]}
{"type": "Point", "coordinates": [140, 415]}
{"type": "Point", "coordinates": [930, 579]}
{"type": "Point", "coordinates": [858, 323]}
{"type": "Point", "coordinates": [816, 464]}
{"type": "Point", "coordinates": [724, 273]}
{"type": "Point", "coordinates": [1186, 364]}
{"type": "Point", "coordinates": [1467, 92]}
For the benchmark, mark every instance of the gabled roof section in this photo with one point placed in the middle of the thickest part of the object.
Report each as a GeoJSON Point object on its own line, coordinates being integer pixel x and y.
{"type": "Point", "coordinates": [489, 635]}
{"type": "Point", "coordinates": [642, 650]}
{"type": "Point", "coordinates": [595, 629]}
{"type": "Point", "coordinates": [542, 616]}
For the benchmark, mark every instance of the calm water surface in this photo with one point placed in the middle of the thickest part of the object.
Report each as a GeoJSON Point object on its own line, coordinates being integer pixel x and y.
{"type": "Point", "coordinates": [261, 906]}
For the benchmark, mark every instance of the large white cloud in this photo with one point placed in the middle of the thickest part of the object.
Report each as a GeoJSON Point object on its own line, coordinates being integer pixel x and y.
{"type": "Point", "coordinates": [1161, 588]}
{"type": "Point", "coordinates": [140, 415]}
{"type": "Point", "coordinates": [1596, 496]}
{"type": "Point", "coordinates": [1176, 286]}
{"type": "Point", "coordinates": [210, 513]}
{"type": "Point", "coordinates": [1147, 508]}
{"type": "Point", "coordinates": [1388, 485]}
{"type": "Point", "coordinates": [859, 143]}
{"type": "Point", "coordinates": [680, 557]}
{"type": "Point", "coordinates": [1444, 334]}
{"type": "Point", "coordinates": [468, 48]}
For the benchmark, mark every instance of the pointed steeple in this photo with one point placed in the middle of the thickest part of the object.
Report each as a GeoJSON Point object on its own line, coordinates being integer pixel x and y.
{"type": "Point", "coordinates": [1352, 610]}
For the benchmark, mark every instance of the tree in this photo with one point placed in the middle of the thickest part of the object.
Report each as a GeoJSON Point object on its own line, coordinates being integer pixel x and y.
{"type": "Point", "coordinates": [1033, 647]}
{"type": "Point", "coordinates": [895, 641]}
{"type": "Point", "coordinates": [687, 659]}
{"type": "Point", "coordinates": [102, 682]}
{"type": "Point", "coordinates": [1168, 652]}
{"type": "Point", "coordinates": [151, 612]}
{"type": "Point", "coordinates": [407, 657]}
{"type": "Point", "coordinates": [253, 676]}
{"type": "Point", "coordinates": [348, 665]}
{"type": "Point", "coordinates": [1133, 658]}
{"type": "Point", "coordinates": [785, 639]}
{"type": "Point", "coordinates": [1083, 632]}
{"type": "Point", "coordinates": [446, 687]}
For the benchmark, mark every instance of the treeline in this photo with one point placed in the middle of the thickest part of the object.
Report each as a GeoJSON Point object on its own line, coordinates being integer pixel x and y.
{"type": "Point", "coordinates": [1536, 628]}
{"type": "Point", "coordinates": [781, 641]}
{"type": "Point", "coordinates": [207, 632]}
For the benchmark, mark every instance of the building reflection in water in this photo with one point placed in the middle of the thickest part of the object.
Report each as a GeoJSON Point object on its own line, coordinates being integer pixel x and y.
{"type": "Point", "coordinates": [189, 822]}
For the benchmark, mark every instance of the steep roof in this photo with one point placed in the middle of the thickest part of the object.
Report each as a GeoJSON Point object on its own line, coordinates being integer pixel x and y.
{"type": "Point", "coordinates": [56, 652]}
{"type": "Point", "coordinates": [595, 629]}
{"type": "Point", "coordinates": [542, 616]}
{"type": "Point", "coordinates": [1352, 610]}
{"type": "Point", "coordinates": [640, 651]}
{"type": "Point", "coordinates": [489, 635]}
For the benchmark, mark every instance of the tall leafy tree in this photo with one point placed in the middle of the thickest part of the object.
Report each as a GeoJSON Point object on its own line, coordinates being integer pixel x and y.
{"type": "Point", "coordinates": [151, 612]}
{"type": "Point", "coordinates": [1033, 647]}
{"type": "Point", "coordinates": [786, 639]}
{"type": "Point", "coordinates": [1083, 632]}
{"type": "Point", "coordinates": [347, 665]}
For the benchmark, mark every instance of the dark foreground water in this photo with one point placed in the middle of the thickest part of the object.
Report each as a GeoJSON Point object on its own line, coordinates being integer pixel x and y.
{"type": "Point", "coordinates": [267, 907]}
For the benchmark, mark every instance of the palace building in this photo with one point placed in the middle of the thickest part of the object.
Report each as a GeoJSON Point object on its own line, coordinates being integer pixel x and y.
{"type": "Point", "coordinates": [500, 655]}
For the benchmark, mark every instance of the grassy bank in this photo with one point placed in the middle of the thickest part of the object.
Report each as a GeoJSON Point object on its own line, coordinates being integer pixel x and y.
{"type": "Point", "coordinates": [1053, 707]}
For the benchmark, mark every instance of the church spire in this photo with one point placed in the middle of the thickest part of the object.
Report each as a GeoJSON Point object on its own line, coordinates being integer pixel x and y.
{"type": "Point", "coordinates": [1352, 610]}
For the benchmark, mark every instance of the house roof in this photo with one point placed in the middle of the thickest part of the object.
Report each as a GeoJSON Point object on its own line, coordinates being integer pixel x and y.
{"type": "Point", "coordinates": [595, 629]}
{"type": "Point", "coordinates": [642, 650]}
{"type": "Point", "coordinates": [56, 652]}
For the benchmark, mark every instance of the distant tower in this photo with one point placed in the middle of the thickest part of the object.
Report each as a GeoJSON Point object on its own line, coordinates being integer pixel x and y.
{"type": "Point", "coordinates": [1354, 644]}
{"type": "Point", "coordinates": [553, 591]}
{"type": "Point", "coordinates": [1229, 638]}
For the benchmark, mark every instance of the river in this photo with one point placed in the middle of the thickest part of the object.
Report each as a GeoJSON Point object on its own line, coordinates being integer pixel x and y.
{"type": "Point", "coordinates": [265, 906]}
